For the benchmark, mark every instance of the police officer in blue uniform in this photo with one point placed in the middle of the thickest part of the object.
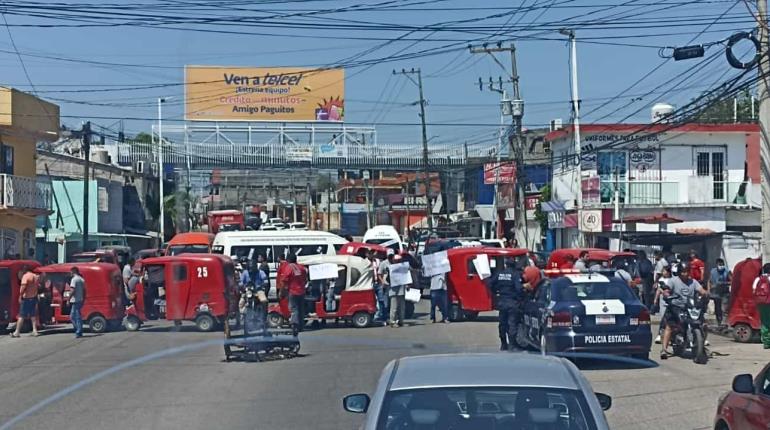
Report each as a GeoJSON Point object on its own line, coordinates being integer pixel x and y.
{"type": "Point", "coordinates": [509, 294]}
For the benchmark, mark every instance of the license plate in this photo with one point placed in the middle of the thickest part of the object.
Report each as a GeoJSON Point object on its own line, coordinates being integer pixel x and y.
{"type": "Point", "coordinates": [605, 319]}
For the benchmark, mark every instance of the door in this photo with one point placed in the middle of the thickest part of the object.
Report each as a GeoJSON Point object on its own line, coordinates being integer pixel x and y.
{"type": "Point", "coordinates": [710, 162]}
{"type": "Point", "coordinates": [177, 287]}
{"type": "Point", "coordinates": [6, 292]}
{"type": "Point", "coordinates": [473, 293]}
{"type": "Point", "coordinates": [757, 413]}
{"type": "Point", "coordinates": [534, 312]}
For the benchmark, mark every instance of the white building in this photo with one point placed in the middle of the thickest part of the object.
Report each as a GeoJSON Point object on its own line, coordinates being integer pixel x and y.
{"type": "Point", "coordinates": [702, 180]}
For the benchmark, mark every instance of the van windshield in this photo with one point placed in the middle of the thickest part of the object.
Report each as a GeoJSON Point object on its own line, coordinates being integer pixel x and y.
{"type": "Point", "coordinates": [393, 244]}
{"type": "Point", "coordinates": [188, 249]}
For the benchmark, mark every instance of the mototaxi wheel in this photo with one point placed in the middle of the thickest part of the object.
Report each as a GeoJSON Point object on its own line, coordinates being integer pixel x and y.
{"type": "Point", "coordinates": [275, 320]}
{"type": "Point", "coordinates": [743, 333]}
{"type": "Point", "coordinates": [205, 322]}
{"type": "Point", "coordinates": [699, 347]}
{"type": "Point", "coordinates": [97, 324]}
{"type": "Point", "coordinates": [470, 315]}
{"type": "Point", "coordinates": [362, 319]}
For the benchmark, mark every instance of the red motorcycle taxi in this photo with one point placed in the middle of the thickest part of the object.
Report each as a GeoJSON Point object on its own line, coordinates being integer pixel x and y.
{"type": "Point", "coordinates": [349, 297]}
{"type": "Point", "coordinates": [467, 292]}
{"type": "Point", "coordinates": [103, 306]}
{"type": "Point", "coordinates": [742, 315]}
{"type": "Point", "coordinates": [186, 287]}
{"type": "Point", "coordinates": [10, 283]}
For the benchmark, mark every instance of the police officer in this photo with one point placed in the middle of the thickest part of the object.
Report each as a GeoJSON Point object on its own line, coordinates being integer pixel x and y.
{"type": "Point", "coordinates": [509, 293]}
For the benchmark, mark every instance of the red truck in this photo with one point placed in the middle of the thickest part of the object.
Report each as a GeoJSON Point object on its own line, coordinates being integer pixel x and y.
{"type": "Point", "coordinates": [225, 220]}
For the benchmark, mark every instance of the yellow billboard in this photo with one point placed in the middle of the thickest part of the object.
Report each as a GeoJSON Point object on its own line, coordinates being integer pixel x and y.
{"type": "Point", "coordinates": [215, 93]}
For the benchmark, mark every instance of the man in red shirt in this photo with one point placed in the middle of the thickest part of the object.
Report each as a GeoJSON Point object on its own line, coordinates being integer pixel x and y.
{"type": "Point", "coordinates": [293, 277]}
{"type": "Point", "coordinates": [697, 266]}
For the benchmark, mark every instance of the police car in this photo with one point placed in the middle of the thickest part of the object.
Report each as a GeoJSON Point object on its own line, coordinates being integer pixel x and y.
{"type": "Point", "coordinates": [587, 313]}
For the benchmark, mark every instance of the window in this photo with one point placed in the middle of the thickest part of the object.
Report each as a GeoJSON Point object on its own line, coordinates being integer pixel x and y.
{"type": "Point", "coordinates": [180, 272]}
{"type": "Point", "coordinates": [253, 251]}
{"type": "Point", "coordinates": [567, 291]}
{"type": "Point", "coordinates": [9, 243]}
{"type": "Point", "coordinates": [765, 384]}
{"type": "Point", "coordinates": [188, 249]}
{"type": "Point", "coordinates": [5, 284]}
{"type": "Point", "coordinates": [6, 159]}
{"type": "Point", "coordinates": [485, 408]}
{"type": "Point", "coordinates": [711, 162]}
{"type": "Point", "coordinates": [29, 243]}
{"type": "Point", "coordinates": [612, 168]}
{"type": "Point", "coordinates": [355, 275]}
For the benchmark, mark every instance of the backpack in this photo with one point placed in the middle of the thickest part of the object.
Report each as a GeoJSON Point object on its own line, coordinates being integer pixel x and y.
{"type": "Point", "coordinates": [762, 291]}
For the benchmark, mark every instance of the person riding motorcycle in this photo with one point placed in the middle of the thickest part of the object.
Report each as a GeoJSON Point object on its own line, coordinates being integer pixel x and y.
{"type": "Point", "coordinates": [682, 289]}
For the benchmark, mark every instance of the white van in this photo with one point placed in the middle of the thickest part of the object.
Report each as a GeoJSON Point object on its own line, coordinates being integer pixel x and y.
{"type": "Point", "coordinates": [385, 235]}
{"type": "Point", "coordinates": [271, 244]}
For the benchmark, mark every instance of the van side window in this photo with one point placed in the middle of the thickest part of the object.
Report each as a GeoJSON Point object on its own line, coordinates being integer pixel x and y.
{"type": "Point", "coordinates": [471, 267]}
{"type": "Point", "coordinates": [342, 279]}
{"type": "Point", "coordinates": [355, 275]}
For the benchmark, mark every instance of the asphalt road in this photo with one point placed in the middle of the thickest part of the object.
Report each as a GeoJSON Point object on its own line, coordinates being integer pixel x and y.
{"type": "Point", "coordinates": [159, 378]}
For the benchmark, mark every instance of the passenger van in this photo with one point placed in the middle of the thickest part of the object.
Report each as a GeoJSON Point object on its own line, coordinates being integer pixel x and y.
{"type": "Point", "coordinates": [384, 235]}
{"type": "Point", "coordinates": [248, 245]}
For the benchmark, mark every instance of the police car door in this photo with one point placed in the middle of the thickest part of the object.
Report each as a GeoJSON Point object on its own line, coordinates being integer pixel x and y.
{"type": "Point", "coordinates": [534, 311]}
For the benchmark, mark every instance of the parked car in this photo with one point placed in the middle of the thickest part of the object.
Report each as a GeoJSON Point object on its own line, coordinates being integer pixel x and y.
{"type": "Point", "coordinates": [481, 391]}
{"type": "Point", "coordinates": [747, 406]}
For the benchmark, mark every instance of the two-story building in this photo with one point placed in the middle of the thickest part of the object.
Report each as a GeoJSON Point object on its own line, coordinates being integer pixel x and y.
{"type": "Point", "coordinates": [692, 186]}
{"type": "Point", "coordinates": [25, 120]}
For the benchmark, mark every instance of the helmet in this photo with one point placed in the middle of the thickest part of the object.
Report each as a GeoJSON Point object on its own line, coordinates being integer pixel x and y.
{"type": "Point", "coordinates": [683, 267]}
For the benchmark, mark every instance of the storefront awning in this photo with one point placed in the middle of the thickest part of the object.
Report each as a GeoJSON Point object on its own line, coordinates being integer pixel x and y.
{"type": "Point", "coordinates": [553, 206]}
{"type": "Point", "coordinates": [667, 238]}
{"type": "Point", "coordinates": [650, 219]}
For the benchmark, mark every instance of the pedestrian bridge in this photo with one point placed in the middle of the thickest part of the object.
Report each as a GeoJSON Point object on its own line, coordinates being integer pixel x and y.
{"type": "Point", "coordinates": [332, 146]}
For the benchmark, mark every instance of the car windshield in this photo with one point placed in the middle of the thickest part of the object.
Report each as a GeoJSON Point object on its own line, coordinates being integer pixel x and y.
{"type": "Point", "coordinates": [628, 263]}
{"type": "Point", "coordinates": [83, 258]}
{"type": "Point", "coordinates": [188, 249]}
{"type": "Point", "coordinates": [567, 291]}
{"type": "Point", "coordinates": [485, 408]}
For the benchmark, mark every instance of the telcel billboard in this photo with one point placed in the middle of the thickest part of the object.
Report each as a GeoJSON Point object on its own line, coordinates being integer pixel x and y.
{"type": "Point", "coordinates": [214, 93]}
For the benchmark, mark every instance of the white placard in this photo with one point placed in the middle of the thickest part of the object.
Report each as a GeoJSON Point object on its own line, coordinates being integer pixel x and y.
{"type": "Point", "coordinates": [481, 263]}
{"type": "Point", "coordinates": [323, 271]}
{"type": "Point", "coordinates": [435, 264]}
{"type": "Point", "coordinates": [400, 274]}
{"type": "Point", "coordinates": [412, 295]}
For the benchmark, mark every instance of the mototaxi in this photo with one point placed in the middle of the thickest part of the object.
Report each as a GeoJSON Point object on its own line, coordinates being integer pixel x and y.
{"type": "Point", "coordinates": [103, 306]}
{"type": "Point", "coordinates": [10, 284]}
{"type": "Point", "coordinates": [606, 259]}
{"type": "Point", "coordinates": [742, 315]}
{"type": "Point", "coordinates": [186, 287]}
{"type": "Point", "coordinates": [349, 297]}
{"type": "Point", "coordinates": [467, 292]}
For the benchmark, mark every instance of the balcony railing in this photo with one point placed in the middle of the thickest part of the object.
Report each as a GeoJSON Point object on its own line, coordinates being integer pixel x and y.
{"type": "Point", "coordinates": [19, 192]}
{"type": "Point", "coordinates": [693, 190]}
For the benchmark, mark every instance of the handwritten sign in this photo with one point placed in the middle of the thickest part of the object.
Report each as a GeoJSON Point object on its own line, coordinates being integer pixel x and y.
{"type": "Point", "coordinates": [323, 271]}
{"type": "Point", "coordinates": [400, 274]}
{"type": "Point", "coordinates": [435, 263]}
{"type": "Point", "coordinates": [481, 264]}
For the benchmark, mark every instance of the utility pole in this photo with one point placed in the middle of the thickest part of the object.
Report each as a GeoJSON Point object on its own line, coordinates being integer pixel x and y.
{"type": "Point", "coordinates": [407, 73]}
{"type": "Point", "coordinates": [162, 203]}
{"type": "Point", "coordinates": [329, 205]}
{"type": "Point", "coordinates": [514, 108]}
{"type": "Point", "coordinates": [86, 132]}
{"type": "Point", "coordinates": [366, 198]}
{"type": "Point", "coordinates": [576, 124]}
{"type": "Point", "coordinates": [764, 123]}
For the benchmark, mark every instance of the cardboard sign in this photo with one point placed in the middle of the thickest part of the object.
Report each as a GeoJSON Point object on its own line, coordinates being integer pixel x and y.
{"type": "Point", "coordinates": [435, 264]}
{"type": "Point", "coordinates": [323, 271]}
{"type": "Point", "coordinates": [412, 295]}
{"type": "Point", "coordinates": [481, 263]}
{"type": "Point", "coordinates": [400, 274]}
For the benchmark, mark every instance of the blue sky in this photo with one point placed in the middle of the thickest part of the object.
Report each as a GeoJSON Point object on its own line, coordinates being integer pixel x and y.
{"type": "Point", "coordinates": [373, 95]}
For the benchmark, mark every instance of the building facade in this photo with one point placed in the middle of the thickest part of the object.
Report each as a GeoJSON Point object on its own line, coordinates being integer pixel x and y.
{"type": "Point", "coordinates": [694, 186]}
{"type": "Point", "coordinates": [25, 120]}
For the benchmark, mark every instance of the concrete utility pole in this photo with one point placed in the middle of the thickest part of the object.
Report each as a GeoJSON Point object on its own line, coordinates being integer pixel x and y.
{"type": "Point", "coordinates": [514, 108]}
{"type": "Point", "coordinates": [407, 73]}
{"type": "Point", "coordinates": [764, 123]}
{"type": "Point", "coordinates": [86, 167]}
{"type": "Point", "coordinates": [162, 203]}
{"type": "Point", "coordinates": [575, 124]}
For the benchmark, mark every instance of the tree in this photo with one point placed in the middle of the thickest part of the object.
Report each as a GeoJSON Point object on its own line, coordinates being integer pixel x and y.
{"type": "Point", "coordinates": [723, 111]}
{"type": "Point", "coordinates": [143, 138]}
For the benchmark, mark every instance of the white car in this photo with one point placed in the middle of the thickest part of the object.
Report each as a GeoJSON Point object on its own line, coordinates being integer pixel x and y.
{"type": "Point", "coordinates": [296, 226]}
{"type": "Point", "coordinates": [481, 391]}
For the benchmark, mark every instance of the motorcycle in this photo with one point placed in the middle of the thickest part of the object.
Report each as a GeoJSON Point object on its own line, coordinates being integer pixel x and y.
{"type": "Point", "coordinates": [253, 307]}
{"type": "Point", "coordinates": [687, 328]}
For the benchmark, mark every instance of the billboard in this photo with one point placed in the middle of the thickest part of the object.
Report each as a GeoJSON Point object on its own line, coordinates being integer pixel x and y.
{"type": "Point", "coordinates": [507, 173]}
{"type": "Point", "coordinates": [214, 93]}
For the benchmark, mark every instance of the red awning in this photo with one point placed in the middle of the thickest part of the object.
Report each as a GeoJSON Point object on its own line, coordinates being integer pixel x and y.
{"type": "Point", "coordinates": [650, 219]}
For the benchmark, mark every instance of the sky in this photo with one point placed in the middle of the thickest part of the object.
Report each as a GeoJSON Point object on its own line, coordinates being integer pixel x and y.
{"type": "Point", "coordinates": [92, 72]}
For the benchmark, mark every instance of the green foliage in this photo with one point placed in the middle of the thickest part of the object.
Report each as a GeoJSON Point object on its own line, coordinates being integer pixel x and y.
{"type": "Point", "coordinates": [723, 111]}
{"type": "Point", "coordinates": [540, 216]}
